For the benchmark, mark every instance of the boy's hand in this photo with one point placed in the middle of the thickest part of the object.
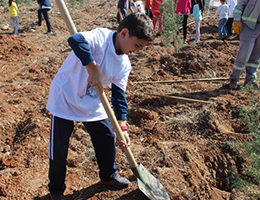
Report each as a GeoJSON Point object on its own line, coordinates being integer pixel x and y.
{"type": "Point", "coordinates": [237, 25]}
{"type": "Point", "coordinates": [94, 77]}
{"type": "Point", "coordinates": [123, 144]}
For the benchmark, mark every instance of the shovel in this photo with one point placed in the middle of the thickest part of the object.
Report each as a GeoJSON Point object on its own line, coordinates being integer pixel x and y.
{"type": "Point", "coordinates": [147, 183]}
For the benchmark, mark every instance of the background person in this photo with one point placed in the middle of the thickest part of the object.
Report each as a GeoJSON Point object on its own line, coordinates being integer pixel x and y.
{"type": "Point", "coordinates": [44, 7]}
{"type": "Point", "coordinates": [247, 24]}
{"type": "Point", "coordinates": [148, 8]}
{"type": "Point", "coordinates": [223, 13]}
{"type": "Point", "coordinates": [157, 11]}
{"type": "Point", "coordinates": [197, 9]}
{"type": "Point", "coordinates": [183, 7]}
{"type": "Point", "coordinates": [122, 9]}
{"type": "Point", "coordinates": [229, 24]}
{"type": "Point", "coordinates": [12, 11]}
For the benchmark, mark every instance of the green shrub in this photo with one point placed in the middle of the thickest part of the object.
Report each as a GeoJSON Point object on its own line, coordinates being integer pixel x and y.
{"type": "Point", "coordinates": [171, 24]}
{"type": "Point", "coordinates": [249, 180]}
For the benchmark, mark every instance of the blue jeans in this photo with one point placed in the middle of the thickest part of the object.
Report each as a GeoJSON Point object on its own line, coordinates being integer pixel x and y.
{"type": "Point", "coordinates": [221, 28]}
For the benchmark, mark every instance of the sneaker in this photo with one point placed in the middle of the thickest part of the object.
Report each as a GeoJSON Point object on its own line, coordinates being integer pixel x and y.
{"type": "Point", "coordinates": [233, 84]}
{"type": "Point", "coordinates": [57, 197]}
{"type": "Point", "coordinates": [224, 37]}
{"type": "Point", "coordinates": [184, 41]}
{"type": "Point", "coordinates": [119, 182]}
{"type": "Point", "coordinates": [36, 24]}
{"type": "Point", "coordinates": [48, 32]}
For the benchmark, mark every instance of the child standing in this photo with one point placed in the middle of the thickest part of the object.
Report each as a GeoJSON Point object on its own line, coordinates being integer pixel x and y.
{"type": "Point", "coordinates": [122, 8]}
{"type": "Point", "coordinates": [137, 6]}
{"type": "Point", "coordinates": [232, 4]}
{"type": "Point", "coordinates": [12, 9]}
{"type": "Point", "coordinates": [183, 7]}
{"type": "Point", "coordinates": [148, 8]}
{"type": "Point", "coordinates": [98, 58]}
{"type": "Point", "coordinates": [196, 13]}
{"type": "Point", "coordinates": [44, 7]}
{"type": "Point", "coordinates": [223, 13]}
{"type": "Point", "coordinates": [157, 11]}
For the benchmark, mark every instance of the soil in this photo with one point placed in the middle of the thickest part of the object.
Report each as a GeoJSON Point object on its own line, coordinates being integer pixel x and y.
{"type": "Point", "coordinates": [184, 144]}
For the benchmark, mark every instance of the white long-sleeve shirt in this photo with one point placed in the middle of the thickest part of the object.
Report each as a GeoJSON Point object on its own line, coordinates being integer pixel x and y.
{"type": "Point", "coordinates": [232, 4]}
{"type": "Point", "coordinates": [222, 12]}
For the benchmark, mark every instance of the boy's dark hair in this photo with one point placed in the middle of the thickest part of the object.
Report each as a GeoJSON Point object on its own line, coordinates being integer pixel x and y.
{"type": "Point", "coordinates": [139, 25]}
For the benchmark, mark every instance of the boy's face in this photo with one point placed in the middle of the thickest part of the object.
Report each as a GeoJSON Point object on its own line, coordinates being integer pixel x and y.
{"type": "Point", "coordinates": [129, 44]}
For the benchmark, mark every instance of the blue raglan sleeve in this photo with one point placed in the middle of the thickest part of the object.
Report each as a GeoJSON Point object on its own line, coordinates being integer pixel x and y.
{"type": "Point", "coordinates": [119, 102]}
{"type": "Point", "coordinates": [81, 48]}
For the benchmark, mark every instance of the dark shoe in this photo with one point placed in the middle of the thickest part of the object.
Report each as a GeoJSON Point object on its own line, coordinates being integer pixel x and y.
{"type": "Point", "coordinates": [224, 37]}
{"type": "Point", "coordinates": [119, 182]}
{"type": "Point", "coordinates": [158, 34]}
{"type": "Point", "coordinates": [57, 197]}
{"type": "Point", "coordinates": [233, 84]}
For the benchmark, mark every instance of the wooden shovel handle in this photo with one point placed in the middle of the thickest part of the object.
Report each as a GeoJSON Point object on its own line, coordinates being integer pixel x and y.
{"type": "Point", "coordinates": [72, 29]}
{"type": "Point", "coordinates": [115, 126]}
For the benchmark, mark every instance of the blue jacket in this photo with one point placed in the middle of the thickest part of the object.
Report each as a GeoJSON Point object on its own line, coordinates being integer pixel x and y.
{"type": "Point", "coordinates": [45, 3]}
{"type": "Point", "coordinates": [196, 13]}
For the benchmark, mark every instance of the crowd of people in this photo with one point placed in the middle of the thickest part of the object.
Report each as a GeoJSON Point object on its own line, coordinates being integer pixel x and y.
{"type": "Point", "coordinates": [154, 9]}
{"type": "Point", "coordinates": [187, 8]}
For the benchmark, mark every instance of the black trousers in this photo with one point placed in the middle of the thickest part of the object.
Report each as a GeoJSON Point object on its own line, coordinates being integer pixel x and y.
{"type": "Point", "coordinates": [46, 17]}
{"type": "Point", "coordinates": [184, 24]}
{"type": "Point", "coordinates": [229, 26]}
{"type": "Point", "coordinates": [103, 140]}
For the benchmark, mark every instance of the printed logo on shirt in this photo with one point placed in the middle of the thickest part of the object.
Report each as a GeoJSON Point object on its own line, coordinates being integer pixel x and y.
{"type": "Point", "coordinates": [91, 91]}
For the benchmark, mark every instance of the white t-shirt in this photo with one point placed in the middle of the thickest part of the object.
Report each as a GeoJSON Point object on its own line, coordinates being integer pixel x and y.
{"type": "Point", "coordinates": [138, 6]}
{"type": "Point", "coordinates": [232, 4]}
{"type": "Point", "coordinates": [71, 96]}
{"type": "Point", "coordinates": [222, 11]}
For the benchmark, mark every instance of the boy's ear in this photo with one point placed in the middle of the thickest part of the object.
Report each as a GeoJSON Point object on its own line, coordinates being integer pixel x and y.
{"type": "Point", "coordinates": [124, 32]}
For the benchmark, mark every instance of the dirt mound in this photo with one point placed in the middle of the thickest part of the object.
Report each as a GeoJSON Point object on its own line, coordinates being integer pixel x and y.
{"type": "Point", "coordinates": [13, 48]}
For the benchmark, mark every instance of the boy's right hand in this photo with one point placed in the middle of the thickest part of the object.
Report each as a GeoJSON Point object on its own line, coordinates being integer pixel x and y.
{"type": "Point", "coordinates": [94, 77]}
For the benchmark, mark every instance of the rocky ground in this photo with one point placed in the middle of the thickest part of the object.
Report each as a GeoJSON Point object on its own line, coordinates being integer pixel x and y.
{"type": "Point", "coordinates": [184, 144]}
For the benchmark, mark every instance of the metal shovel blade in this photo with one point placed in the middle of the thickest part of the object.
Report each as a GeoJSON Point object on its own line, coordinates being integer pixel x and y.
{"type": "Point", "coordinates": [149, 185]}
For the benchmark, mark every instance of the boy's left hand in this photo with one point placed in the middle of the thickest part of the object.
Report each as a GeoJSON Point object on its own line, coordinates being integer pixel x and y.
{"type": "Point", "coordinates": [123, 144]}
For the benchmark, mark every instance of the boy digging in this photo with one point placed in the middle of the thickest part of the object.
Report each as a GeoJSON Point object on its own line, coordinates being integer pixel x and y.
{"type": "Point", "coordinates": [99, 58]}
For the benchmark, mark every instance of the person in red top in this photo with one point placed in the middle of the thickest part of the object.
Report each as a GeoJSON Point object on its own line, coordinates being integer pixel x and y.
{"type": "Point", "coordinates": [183, 7]}
{"type": "Point", "coordinates": [148, 8]}
{"type": "Point", "coordinates": [157, 11]}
